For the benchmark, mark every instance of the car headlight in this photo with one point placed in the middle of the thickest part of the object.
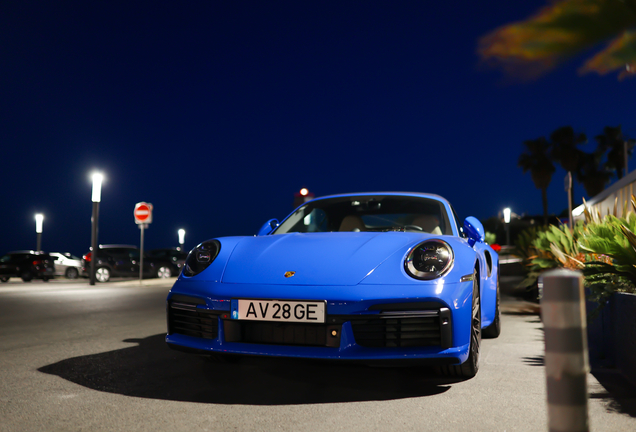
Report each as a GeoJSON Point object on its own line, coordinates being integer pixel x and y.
{"type": "Point", "coordinates": [429, 260]}
{"type": "Point", "coordinates": [201, 257]}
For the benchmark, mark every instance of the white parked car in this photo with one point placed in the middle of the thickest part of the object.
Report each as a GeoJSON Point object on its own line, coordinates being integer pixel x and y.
{"type": "Point", "coordinates": [67, 265]}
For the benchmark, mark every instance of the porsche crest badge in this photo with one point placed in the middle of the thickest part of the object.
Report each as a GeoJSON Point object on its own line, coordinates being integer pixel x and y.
{"type": "Point", "coordinates": [289, 274]}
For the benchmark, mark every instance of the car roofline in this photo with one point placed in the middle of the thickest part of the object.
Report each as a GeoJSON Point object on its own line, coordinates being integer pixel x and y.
{"type": "Point", "coordinates": [27, 252]}
{"type": "Point", "coordinates": [391, 193]}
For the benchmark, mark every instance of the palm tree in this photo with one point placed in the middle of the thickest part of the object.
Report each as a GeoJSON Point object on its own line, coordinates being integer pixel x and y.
{"type": "Point", "coordinates": [537, 161]}
{"type": "Point", "coordinates": [562, 30]}
{"type": "Point", "coordinates": [614, 143]}
{"type": "Point", "coordinates": [593, 174]}
{"type": "Point", "coordinates": [565, 151]}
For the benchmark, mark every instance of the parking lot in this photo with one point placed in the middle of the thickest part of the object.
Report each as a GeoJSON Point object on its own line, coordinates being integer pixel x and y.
{"type": "Point", "coordinates": [95, 359]}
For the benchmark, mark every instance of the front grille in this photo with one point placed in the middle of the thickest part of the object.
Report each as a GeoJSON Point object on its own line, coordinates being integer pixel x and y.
{"type": "Point", "coordinates": [403, 329]}
{"type": "Point", "coordinates": [187, 319]}
{"type": "Point", "coordinates": [387, 329]}
{"type": "Point", "coordinates": [277, 333]}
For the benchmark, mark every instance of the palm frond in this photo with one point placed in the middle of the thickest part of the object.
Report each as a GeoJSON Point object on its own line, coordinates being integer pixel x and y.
{"type": "Point", "coordinates": [558, 32]}
{"type": "Point", "coordinates": [619, 55]}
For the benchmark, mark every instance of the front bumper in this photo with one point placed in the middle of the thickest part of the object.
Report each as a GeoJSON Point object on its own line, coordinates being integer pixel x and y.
{"type": "Point", "coordinates": [420, 330]}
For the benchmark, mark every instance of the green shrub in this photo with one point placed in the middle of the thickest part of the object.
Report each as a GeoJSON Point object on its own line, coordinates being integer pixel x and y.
{"type": "Point", "coordinates": [549, 247]}
{"type": "Point", "coordinates": [611, 244]}
{"type": "Point", "coordinates": [491, 238]}
{"type": "Point", "coordinates": [603, 248]}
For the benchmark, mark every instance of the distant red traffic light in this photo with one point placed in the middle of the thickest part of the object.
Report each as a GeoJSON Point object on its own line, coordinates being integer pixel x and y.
{"type": "Point", "coordinates": [302, 196]}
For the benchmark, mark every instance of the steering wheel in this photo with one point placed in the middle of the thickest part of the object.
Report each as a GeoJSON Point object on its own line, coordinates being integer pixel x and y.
{"type": "Point", "coordinates": [414, 227]}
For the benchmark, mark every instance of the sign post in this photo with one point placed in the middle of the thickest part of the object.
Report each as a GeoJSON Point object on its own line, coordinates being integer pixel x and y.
{"type": "Point", "coordinates": [568, 189]}
{"type": "Point", "coordinates": [143, 217]}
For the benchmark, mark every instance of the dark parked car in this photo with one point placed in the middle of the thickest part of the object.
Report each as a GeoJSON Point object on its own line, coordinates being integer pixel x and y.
{"type": "Point", "coordinates": [176, 257]}
{"type": "Point", "coordinates": [124, 261]}
{"type": "Point", "coordinates": [27, 265]}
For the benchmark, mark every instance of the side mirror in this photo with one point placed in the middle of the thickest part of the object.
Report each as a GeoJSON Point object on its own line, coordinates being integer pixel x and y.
{"type": "Point", "coordinates": [268, 227]}
{"type": "Point", "coordinates": [474, 230]}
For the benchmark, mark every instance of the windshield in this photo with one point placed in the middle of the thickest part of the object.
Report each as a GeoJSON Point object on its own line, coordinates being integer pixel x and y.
{"type": "Point", "coordinates": [369, 213]}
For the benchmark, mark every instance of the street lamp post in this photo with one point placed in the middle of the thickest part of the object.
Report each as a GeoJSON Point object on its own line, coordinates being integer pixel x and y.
{"type": "Point", "coordinates": [38, 230]}
{"type": "Point", "coordinates": [96, 198]}
{"type": "Point", "coordinates": [506, 213]}
{"type": "Point", "coordinates": [181, 233]}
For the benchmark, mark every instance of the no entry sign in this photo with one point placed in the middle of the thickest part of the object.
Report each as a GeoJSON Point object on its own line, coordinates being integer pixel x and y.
{"type": "Point", "coordinates": [143, 213]}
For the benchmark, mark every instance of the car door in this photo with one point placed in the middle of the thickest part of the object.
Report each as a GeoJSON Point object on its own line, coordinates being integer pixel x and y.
{"type": "Point", "coordinates": [150, 265]}
{"type": "Point", "coordinates": [60, 264]}
{"type": "Point", "coordinates": [120, 262]}
{"type": "Point", "coordinates": [8, 266]}
{"type": "Point", "coordinates": [133, 259]}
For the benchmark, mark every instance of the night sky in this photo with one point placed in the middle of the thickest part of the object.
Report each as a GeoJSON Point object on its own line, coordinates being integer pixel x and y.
{"type": "Point", "coordinates": [217, 112]}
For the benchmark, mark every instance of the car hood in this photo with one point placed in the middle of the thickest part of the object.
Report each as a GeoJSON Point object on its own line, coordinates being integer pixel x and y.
{"type": "Point", "coordinates": [315, 258]}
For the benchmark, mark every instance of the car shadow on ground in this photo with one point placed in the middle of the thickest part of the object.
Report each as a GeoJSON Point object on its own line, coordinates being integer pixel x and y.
{"type": "Point", "coordinates": [149, 369]}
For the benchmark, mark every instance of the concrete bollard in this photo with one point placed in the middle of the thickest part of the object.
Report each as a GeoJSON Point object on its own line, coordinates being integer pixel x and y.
{"type": "Point", "coordinates": [566, 357]}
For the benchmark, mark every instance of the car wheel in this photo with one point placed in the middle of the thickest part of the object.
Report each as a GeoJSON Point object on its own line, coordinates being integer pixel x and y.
{"type": "Point", "coordinates": [71, 273]}
{"type": "Point", "coordinates": [102, 274]}
{"type": "Point", "coordinates": [45, 278]}
{"type": "Point", "coordinates": [4, 279]}
{"type": "Point", "coordinates": [164, 272]}
{"type": "Point", "coordinates": [26, 276]}
{"type": "Point", "coordinates": [494, 329]}
{"type": "Point", "coordinates": [469, 368]}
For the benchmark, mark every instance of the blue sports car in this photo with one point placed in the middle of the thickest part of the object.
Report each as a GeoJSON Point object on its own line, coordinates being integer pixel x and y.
{"type": "Point", "coordinates": [368, 277]}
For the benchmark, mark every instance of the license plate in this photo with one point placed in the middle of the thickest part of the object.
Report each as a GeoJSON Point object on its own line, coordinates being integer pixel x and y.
{"type": "Point", "coordinates": [279, 310]}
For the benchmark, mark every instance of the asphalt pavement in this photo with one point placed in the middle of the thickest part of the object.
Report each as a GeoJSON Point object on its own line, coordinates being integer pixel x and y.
{"type": "Point", "coordinates": [77, 357]}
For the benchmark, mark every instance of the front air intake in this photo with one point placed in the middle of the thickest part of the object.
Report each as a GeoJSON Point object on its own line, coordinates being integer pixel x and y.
{"type": "Point", "coordinates": [403, 329]}
{"type": "Point", "coordinates": [186, 319]}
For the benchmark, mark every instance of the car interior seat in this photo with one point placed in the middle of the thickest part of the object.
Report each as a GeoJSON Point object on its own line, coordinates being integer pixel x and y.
{"type": "Point", "coordinates": [428, 223]}
{"type": "Point", "coordinates": [352, 223]}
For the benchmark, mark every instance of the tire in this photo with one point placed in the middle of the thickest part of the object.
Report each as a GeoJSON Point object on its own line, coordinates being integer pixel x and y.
{"type": "Point", "coordinates": [26, 276]}
{"type": "Point", "coordinates": [494, 329]}
{"type": "Point", "coordinates": [102, 274]}
{"type": "Point", "coordinates": [164, 272]}
{"type": "Point", "coordinates": [72, 273]}
{"type": "Point", "coordinates": [4, 279]}
{"type": "Point", "coordinates": [469, 368]}
{"type": "Point", "coordinates": [45, 278]}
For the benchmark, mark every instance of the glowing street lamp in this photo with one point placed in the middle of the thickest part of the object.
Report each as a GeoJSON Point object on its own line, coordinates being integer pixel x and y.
{"type": "Point", "coordinates": [506, 214]}
{"type": "Point", "coordinates": [98, 178]}
{"type": "Point", "coordinates": [39, 218]}
{"type": "Point", "coordinates": [181, 233]}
